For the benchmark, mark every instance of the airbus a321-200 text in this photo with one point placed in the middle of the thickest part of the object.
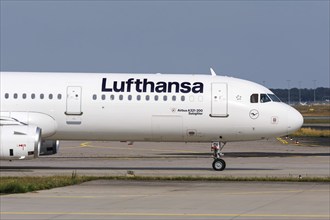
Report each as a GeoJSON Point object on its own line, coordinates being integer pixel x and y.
{"type": "Point", "coordinates": [39, 109]}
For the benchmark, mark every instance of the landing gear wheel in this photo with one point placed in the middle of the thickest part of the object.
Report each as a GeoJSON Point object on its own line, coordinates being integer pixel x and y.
{"type": "Point", "coordinates": [219, 164]}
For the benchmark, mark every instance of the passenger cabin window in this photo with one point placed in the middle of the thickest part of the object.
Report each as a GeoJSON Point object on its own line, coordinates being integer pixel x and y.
{"type": "Point", "coordinates": [138, 97]}
{"type": "Point", "coordinates": [94, 97]}
{"type": "Point", "coordinates": [24, 95]}
{"type": "Point", "coordinates": [15, 96]}
{"type": "Point", "coordinates": [147, 97]}
{"type": "Point", "coordinates": [103, 97]}
{"type": "Point", "coordinates": [264, 98]}
{"type": "Point", "coordinates": [254, 98]}
{"type": "Point", "coordinates": [59, 96]}
{"type": "Point", "coordinates": [50, 96]}
{"type": "Point", "coordinates": [6, 95]}
{"type": "Point", "coordinates": [33, 96]}
{"type": "Point", "coordinates": [112, 97]}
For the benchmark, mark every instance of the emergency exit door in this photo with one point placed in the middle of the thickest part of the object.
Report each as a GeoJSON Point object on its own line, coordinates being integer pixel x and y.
{"type": "Point", "coordinates": [219, 103]}
{"type": "Point", "coordinates": [73, 100]}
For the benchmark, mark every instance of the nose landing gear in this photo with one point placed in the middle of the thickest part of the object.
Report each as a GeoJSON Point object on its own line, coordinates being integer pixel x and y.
{"type": "Point", "coordinates": [218, 163]}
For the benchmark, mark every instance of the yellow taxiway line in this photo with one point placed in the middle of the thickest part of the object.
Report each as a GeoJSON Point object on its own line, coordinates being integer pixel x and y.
{"type": "Point", "coordinates": [282, 140]}
{"type": "Point", "coordinates": [88, 144]}
{"type": "Point", "coordinates": [308, 216]}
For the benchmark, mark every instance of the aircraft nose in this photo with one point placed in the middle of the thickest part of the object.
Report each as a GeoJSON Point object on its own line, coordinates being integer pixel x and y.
{"type": "Point", "coordinates": [295, 120]}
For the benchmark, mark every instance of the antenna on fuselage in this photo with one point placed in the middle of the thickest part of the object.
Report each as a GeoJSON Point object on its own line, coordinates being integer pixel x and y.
{"type": "Point", "coordinates": [212, 72]}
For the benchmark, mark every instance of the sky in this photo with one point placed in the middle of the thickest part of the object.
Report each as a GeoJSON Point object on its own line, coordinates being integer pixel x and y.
{"type": "Point", "coordinates": [276, 43]}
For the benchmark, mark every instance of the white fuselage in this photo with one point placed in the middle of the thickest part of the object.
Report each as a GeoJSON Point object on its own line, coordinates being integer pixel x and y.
{"type": "Point", "coordinates": [144, 107]}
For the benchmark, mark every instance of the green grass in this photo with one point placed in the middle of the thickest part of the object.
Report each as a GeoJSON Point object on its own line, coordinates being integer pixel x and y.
{"type": "Point", "coordinates": [310, 132]}
{"type": "Point", "coordinates": [28, 184]}
{"type": "Point", "coordinates": [313, 110]}
{"type": "Point", "coordinates": [316, 121]}
{"type": "Point", "coordinates": [221, 178]}
{"type": "Point", "coordinates": [9, 185]}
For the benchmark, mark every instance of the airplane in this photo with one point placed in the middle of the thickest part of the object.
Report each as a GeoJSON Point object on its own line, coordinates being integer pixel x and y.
{"type": "Point", "coordinates": [38, 109]}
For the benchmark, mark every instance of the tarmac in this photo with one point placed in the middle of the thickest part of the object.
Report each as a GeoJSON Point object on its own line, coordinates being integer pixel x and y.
{"type": "Point", "coordinates": [110, 199]}
{"type": "Point", "coordinates": [172, 200]}
{"type": "Point", "coordinates": [276, 158]}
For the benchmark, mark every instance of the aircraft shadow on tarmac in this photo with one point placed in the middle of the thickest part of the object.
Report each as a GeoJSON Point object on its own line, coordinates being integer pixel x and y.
{"type": "Point", "coordinates": [251, 154]}
{"type": "Point", "coordinates": [167, 155]}
{"type": "Point", "coordinates": [203, 155]}
{"type": "Point", "coordinates": [30, 168]}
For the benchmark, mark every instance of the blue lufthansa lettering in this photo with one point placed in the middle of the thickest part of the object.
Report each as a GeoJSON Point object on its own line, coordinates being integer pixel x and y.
{"type": "Point", "coordinates": [145, 85]}
{"type": "Point", "coordinates": [104, 86]}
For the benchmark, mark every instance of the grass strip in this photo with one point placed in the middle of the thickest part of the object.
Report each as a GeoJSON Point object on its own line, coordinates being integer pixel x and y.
{"type": "Point", "coordinates": [310, 132]}
{"type": "Point", "coordinates": [9, 185]}
{"type": "Point", "coordinates": [30, 184]}
{"type": "Point", "coordinates": [316, 121]}
{"type": "Point", "coordinates": [220, 178]}
{"type": "Point", "coordinates": [313, 110]}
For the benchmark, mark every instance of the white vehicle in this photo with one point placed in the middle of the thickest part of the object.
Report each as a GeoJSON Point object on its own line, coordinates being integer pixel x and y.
{"type": "Point", "coordinates": [38, 109]}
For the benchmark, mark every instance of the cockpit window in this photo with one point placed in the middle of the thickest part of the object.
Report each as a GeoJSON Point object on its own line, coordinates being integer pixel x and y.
{"type": "Point", "coordinates": [254, 98]}
{"type": "Point", "coordinates": [274, 98]}
{"type": "Point", "coordinates": [264, 98]}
